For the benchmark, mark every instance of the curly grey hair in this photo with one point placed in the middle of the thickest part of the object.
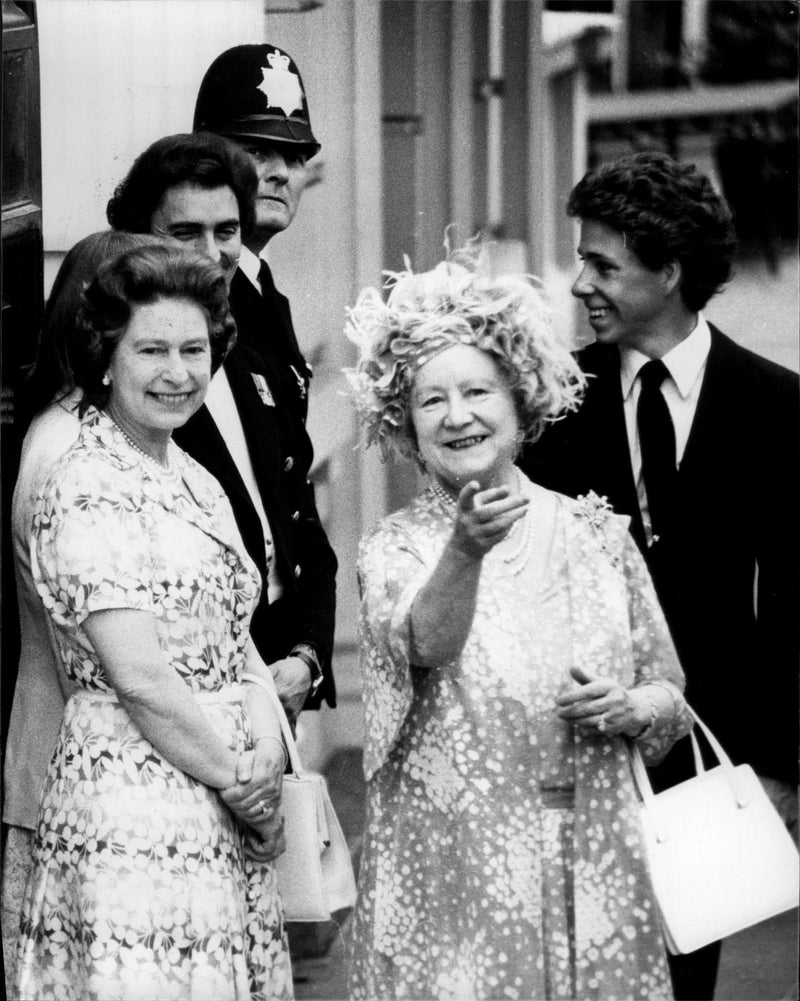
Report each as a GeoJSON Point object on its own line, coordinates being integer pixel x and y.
{"type": "Point", "coordinates": [457, 302]}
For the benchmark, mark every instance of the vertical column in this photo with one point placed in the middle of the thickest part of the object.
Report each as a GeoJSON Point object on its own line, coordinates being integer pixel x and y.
{"type": "Point", "coordinates": [694, 36]}
{"type": "Point", "coordinates": [368, 190]}
{"type": "Point", "coordinates": [432, 149]}
{"type": "Point", "coordinates": [540, 153]}
{"type": "Point", "coordinates": [494, 124]}
{"type": "Point", "coordinates": [620, 62]}
{"type": "Point", "coordinates": [462, 123]}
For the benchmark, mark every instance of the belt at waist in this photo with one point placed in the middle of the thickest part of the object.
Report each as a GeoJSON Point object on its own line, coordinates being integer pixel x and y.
{"type": "Point", "coordinates": [557, 799]}
{"type": "Point", "coordinates": [230, 693]}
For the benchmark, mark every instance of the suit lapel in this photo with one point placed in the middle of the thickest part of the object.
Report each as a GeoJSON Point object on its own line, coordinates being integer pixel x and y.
{"type": "Point", "coordinates": [265, 328]}
{"type": "Point", "coordinates": [201, 438]}
{"type": "Point", "coordinates": [276, 308]}
{"type": "Point", "coordinates": [605, 414]}
{"type": "Point", "coordinates": [716, 382]}
{"type": "Point", "coordinates": [259, 421]}
{"type": "Point", "coordinates": [265, 321]}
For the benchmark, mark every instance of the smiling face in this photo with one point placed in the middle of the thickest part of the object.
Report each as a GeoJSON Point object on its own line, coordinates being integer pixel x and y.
{"type": "Point", "coordinates": [626, 300]}
{"type": "Point", "coordinates": [159, 371]}
{"type": "Point", "coordinates": [281, 171]}
{"type": "Point", "coordinates": [465, 419]}
{"type": "Point", "coordinates": [205, 219]}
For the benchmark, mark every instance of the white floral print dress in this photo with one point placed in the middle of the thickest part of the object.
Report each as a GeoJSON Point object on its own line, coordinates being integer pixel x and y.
{"type": "Point", "coordinates": [140, 889]}
{"type": "Point", "coordinates": [502, 852]}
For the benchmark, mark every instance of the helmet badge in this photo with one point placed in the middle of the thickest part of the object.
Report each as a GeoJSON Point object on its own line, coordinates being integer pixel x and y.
{"type": "Point", "coordinates": [281, 87]}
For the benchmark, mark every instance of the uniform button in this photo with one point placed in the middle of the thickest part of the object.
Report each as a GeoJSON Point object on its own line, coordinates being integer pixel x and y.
{"type": "Point", "coordinates": [295, 516]}
{"type": "Point", "coordinates": [297, 571]}
{"type": "Point", "coordinates": [288, 464]}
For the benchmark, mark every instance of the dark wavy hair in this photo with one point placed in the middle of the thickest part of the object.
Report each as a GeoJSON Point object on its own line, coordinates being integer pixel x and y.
{"type": "Point", "coordinates": [136, 278]}
{"type": "Point", "coordinates": [51, 377]}
{"type": "Point", "coordinates": [668, 211]}
{"type": "Point", "coordinates": [200, 158]}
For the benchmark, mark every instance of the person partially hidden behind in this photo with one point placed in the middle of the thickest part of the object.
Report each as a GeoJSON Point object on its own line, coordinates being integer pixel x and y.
{"type": "Point", "coordinates": [512, 649]}
{"type": "Point", "coordinates": [696, 439]}
{"type": "Point", "coordinates": [160, 813]}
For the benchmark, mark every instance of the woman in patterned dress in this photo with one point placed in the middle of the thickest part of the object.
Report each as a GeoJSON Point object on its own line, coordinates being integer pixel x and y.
{"type": "Point", "coordinates": [160, 813]}
{"type": "Point", "coordinates": [512, 649]}
{"type": "Point", "coordinates": [50, 398]}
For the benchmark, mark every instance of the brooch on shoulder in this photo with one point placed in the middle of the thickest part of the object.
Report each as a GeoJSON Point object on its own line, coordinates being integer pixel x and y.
{"type": "Point", "coordinates": [596, 512]}
{"type": "Point", "coordinates": [594, 509]}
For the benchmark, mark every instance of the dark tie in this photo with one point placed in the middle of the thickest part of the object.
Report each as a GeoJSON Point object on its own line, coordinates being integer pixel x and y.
{"type": "Point", "coordinates": [657, 442]}
{"type": "Point", "coordinates": [265, 280]}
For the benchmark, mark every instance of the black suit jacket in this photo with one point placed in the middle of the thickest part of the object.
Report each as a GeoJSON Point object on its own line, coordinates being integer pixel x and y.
{"type": "Point", "coordinates": [733, 526]}
{"type": "Point", "coordinates": [281, 455]}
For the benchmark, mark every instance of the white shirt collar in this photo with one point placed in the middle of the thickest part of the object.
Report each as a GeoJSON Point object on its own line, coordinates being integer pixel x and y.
{"type": "Point", "coordinates": [684, 362]}
{"type": "Point", "coordinates": [249, 265]}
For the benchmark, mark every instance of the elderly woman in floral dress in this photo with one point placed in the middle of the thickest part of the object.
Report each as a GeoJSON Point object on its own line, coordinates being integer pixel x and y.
{"type": "Point", "coordinates": [512, 650]}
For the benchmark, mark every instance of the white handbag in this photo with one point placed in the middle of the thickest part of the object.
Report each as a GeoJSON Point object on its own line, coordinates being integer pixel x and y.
{"type": "Point", "coordinates": [315, 873]}
{"type": "Point", "coordinates": [719, 854]}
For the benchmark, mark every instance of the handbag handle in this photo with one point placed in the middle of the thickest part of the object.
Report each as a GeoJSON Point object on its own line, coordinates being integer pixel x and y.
{"type": "Point", "coordinates": [645, 789]}
{"type": "Point", "coordinates": [286, 730]}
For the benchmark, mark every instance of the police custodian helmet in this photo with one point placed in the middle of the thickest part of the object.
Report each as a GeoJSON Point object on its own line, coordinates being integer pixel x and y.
{"type": "Point", "coordinates": [255, 92]}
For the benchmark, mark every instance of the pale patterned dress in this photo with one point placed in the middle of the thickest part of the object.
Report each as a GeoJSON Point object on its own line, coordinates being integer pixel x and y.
{"type": "Point", "coordinates": [502, 852]}
{"type": "Point", "coordinates": [140, 890]}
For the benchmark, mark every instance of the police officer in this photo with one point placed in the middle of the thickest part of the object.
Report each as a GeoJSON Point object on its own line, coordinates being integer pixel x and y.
{"type": "Point", "coordinates": [254, 96]}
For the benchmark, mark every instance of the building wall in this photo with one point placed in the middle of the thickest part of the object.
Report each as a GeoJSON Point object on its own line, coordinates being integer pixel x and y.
{"type": "Point", "coordinates": [116, 76]}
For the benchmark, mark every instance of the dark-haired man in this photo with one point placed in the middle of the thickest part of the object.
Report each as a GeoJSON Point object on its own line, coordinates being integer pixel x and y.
{"type": "Point", "coordinates": [696, 438]}
{"type": "Point", "coordinates": [199, 189]}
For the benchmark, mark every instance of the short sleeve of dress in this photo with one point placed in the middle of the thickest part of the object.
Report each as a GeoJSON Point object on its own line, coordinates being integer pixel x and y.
{"type": "Point", "coordinates": [391, 572]}
{"type": "Point", "coordinates": [654, 656]}
{"type": "Point", "coordinates": [90, 546]}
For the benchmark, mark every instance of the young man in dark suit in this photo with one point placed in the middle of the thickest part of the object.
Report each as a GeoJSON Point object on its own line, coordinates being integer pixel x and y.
{"type": "Point", "coordinates": [199, 189]}
{"type": "Point", "coordinates": [696, 438]}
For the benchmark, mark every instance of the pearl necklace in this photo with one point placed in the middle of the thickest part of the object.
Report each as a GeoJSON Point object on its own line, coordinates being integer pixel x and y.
{"type": "Point", "coordinates": [162, 468]}
{"type": "Point", "coordinates": [517, 559]}
{"type": "Point", "coordinates": [442, 494]}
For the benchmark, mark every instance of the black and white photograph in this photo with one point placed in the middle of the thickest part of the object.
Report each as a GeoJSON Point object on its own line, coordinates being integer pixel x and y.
{"type": "Point", "coordinates": [399, 471]}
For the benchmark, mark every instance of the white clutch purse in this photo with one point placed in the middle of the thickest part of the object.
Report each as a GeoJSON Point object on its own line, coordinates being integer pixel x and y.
{"type": "Point", "coordinates": [315, 874]}
{"type": "Point", "coordinates": [719, 854]}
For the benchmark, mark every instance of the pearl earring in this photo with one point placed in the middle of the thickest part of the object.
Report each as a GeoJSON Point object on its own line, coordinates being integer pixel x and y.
{"type": "Point", "coordinates": [106, 380]}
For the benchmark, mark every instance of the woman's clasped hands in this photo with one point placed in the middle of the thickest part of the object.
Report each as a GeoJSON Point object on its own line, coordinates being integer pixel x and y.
{"type": "Point", "coordinates": [255, 799]}
{"type": "Point", "coordinates": [485, 517]}
{"type": "Point", "coordinates": [602, 706]}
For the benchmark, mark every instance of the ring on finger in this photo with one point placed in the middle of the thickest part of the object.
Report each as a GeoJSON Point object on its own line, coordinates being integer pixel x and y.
{"type": "Point", "coordinates": [601, 724]}
{"type": "Point", "coordinates": [262, 807]}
